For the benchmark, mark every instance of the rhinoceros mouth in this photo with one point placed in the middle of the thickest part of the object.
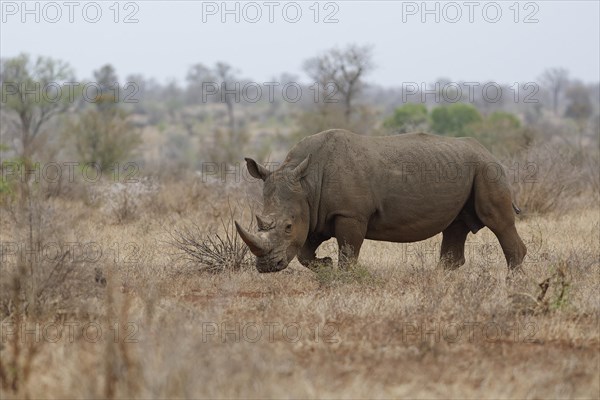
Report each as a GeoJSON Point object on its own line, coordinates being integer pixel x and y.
{"type": "Point", "coordinates": [270, 265]}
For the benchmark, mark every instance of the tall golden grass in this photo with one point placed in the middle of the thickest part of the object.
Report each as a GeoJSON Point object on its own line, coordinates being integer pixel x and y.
{"type": "Point", "coordinates": [97, 305]}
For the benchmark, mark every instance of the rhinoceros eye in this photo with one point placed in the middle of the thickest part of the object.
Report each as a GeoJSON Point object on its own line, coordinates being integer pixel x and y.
{"type": "Point", "coordinates": [288, 228]}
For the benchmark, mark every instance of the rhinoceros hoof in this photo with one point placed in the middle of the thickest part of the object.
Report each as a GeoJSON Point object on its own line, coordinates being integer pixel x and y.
{"type": "Point", "coordinates": [327, 261]}
{"type": "Point", "coordinates": [319, 263]}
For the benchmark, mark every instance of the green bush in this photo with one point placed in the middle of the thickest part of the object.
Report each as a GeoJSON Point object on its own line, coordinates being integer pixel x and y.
{"type": "Point", "coordinates": [453, 120]}
{"type": "Point", "coordinates": [411, 117]}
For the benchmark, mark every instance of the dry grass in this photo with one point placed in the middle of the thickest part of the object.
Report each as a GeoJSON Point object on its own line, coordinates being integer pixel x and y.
{"type": "Point", "coordinates": [394, 326]}
{"type": "Point", "coordinates": [550, 178]}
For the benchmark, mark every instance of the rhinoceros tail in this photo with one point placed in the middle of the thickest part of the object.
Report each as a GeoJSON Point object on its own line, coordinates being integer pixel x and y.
{"type": "Point", "coordinates": [517, 209]}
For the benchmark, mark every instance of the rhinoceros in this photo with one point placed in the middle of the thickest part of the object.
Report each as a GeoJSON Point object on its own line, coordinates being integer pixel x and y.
{"type": "Point", "coordinates": [401, 188]}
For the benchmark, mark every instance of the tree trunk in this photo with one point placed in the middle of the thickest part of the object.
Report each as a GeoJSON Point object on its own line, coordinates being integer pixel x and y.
{"type": "Point", "coordinates": [25, 137]}
{"type": "Point", "coordinates": [231, 118]}
{"type": "Point", "coordinates": [347, 111]}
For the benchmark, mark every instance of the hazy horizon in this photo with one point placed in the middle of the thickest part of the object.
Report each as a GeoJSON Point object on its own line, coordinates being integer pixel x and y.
{"type": "Point", "coordinates": [566, 35]}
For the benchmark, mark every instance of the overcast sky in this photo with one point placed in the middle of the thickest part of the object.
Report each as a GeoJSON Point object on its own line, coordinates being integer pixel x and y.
{"type": "Point", "coordinates": [169, 37]}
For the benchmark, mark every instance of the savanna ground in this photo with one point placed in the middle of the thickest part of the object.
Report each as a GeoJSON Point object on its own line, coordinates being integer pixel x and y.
{"type": "Point", "coordinates": [98, 302]}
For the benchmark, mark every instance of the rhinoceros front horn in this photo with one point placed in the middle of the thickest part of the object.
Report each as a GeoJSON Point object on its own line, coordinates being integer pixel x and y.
{"type": "Point", "coordinates": [257, 245]}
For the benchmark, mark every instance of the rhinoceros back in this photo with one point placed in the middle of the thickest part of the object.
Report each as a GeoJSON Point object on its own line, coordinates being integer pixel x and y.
{"type": "Point", "coordinates": [407, 187]}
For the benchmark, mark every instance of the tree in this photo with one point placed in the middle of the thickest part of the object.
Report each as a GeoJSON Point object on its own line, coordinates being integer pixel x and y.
{"type": "Point", "coordinates": [197, 75]}
{"type": "Point", "coordinates": [579, 108]}
{"type": "Point", "coordinates": [172, 98]}
{"type": "Point", "coordinates": [108, 84]}
{"type": "Point", "coordinates": [345, 69]}
{"type": "Point", "coordinates": [500, 131]}
{"type": "Point", "coordinates": [30, 91]}
{"type": "Point", "coordinates": [143, 92]}
{"type": "Point", "coordinates": [579, 105]}
{"type": "Point", "coordinates": [229, 86]}
{"type": "Point", "coordinates": [202, 79]}
{"type": "Point", "coordinates": [453, 119]}
{"type": "Point", "coordinates": [505, 119]}
{"type": "Point", "coordinates": [555, 79]}
{"type": "Point", "coordinates": [410, 117]}
{"type": "Point", "coordinates": [220, 85]}
{"type": "Point", "coordinates": [103, 137]}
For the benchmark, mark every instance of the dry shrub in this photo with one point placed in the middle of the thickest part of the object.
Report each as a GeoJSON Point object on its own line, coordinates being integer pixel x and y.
{"type": "Point", "coordinates": [551, 294]}
{"type": "Point", "coordinates": [47, 262]}
{"type": "Point", "coordinates": [119, 368]}
{"type": "Point", "coordinates": [547, 178]}
{"type": "Point", "coordinates": [16, 362]}
{"type": "Point", "coordinates": [590, 171]}
{"type": "Point", "coordinates": [40, 275]}
{"type": "Point", "coordinates": [213, 252]}
{"type": "Point", "coordinates": [122, 369]}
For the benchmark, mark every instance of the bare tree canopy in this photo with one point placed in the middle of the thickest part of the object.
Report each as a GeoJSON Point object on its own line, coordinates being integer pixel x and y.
{"type": "Point", "coordinates": [345, 69]}
{"type": "Point", "coordinates": [555, 79]}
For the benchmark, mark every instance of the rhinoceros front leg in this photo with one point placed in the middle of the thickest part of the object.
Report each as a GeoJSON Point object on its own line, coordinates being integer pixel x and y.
{"type": "Point", "coordinates": [350, 234]}
{"type": "Point", "coordinates": [308, 256]}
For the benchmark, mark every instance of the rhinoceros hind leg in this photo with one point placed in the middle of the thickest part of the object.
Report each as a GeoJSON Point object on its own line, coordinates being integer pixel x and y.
{"type": "Point", "coordinates": [452, 254]}
{"type": "Point", "coordinates": [513, 247]}
{"type": "Point", "coordinates": [494, 207]}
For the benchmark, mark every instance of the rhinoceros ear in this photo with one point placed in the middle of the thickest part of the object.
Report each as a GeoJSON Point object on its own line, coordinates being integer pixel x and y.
{"type": "Point", "coordinates": [302, 169]}
{"type": "Point", "coordinates": [256, 170]}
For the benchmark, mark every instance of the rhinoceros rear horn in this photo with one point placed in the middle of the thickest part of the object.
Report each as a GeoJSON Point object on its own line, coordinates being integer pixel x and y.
{"type": "Point", "coordinates": [257, 245]}
{"type": "Point", "coordinates": [263, 223]}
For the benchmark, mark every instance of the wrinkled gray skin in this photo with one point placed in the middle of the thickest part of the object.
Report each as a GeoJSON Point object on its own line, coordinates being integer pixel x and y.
{"type": "Point", "coordinates": [402, 188]}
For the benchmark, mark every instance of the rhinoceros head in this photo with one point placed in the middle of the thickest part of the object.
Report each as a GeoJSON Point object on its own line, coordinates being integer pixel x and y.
{"type": "Point", "coordinates": [283, 225]}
